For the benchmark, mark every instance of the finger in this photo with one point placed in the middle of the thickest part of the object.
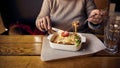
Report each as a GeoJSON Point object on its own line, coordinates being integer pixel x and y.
{"type": "Point", "coordinates": [45, 23]}
{"type": "Point", "coordinates": [92, 20]}
{"type": "Point", "coordinates": [42, 25]}
{"type": "Point", "coordinates": [97, 17]}
{"type": "Point", "coordinates": [39, 25]}
{"type": "Point", "coordinates": [95, 13]}
{"type": "Point", "coordinates": [98, 12]}
{"type": "Point", "coordinates": [48, 22]}
{"type": "Point", "coordinates": [97, 21]}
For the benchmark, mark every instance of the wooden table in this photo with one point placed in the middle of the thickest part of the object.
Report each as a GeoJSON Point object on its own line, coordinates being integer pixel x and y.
{"type": "Point", "coordinates": [23, 51]}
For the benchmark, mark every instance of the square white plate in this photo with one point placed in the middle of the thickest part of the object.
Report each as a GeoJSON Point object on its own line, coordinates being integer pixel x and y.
{"type": "Point", "coordinates": [92, 45]}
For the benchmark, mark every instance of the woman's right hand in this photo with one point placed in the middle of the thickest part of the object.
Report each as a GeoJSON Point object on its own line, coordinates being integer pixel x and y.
{"type": "Point", "coordinates": [43, 24]}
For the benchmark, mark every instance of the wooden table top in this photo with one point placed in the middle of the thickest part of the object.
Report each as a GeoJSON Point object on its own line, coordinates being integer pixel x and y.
{"type": "Point", "coordinates": [20, 44]}
{"type": "Point", "coordinates": [23, 51]}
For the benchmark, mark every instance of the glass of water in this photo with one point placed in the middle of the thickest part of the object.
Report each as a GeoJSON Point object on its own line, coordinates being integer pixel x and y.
{"type": "Point", "coordinates": [112, 34]}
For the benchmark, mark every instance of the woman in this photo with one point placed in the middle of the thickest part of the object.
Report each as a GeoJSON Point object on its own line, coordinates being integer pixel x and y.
{"type": "Point", "coordinates": [61, 13]}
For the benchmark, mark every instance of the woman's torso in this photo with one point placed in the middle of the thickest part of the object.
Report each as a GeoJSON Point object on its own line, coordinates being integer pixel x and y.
{"type": "Point", "coordinates": [64, 12]}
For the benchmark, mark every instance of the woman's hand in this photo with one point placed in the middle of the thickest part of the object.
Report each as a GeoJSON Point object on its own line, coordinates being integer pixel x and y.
{"type": "Point", "coordinates": [96, 16]}
{"type": "Point", "coordinates": [43, 24]}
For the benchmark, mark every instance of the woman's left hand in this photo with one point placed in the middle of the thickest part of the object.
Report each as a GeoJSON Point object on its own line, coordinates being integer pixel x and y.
{"type": "Point", "coordinates": [96, 16]}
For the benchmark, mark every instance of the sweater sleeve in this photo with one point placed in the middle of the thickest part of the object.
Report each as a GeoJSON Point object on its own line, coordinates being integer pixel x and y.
{"type": "Point", "coordinates": [90, 5]}
{"type": "Point", "coordinates": [94, 26]}
{"type": "Point", "coordinates": [45, 9]}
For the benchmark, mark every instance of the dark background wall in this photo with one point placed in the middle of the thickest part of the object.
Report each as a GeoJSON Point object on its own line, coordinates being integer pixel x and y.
{"type": "Point", "coordinates": [24, 11]}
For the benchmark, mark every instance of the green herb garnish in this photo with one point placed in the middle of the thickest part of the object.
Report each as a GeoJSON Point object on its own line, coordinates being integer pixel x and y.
{"type": "Point", "coordinates": [77, 40]}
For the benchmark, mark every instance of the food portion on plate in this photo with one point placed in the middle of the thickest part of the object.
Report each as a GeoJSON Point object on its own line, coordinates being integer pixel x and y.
{"type": "Point", "coordinates": [65, 40]}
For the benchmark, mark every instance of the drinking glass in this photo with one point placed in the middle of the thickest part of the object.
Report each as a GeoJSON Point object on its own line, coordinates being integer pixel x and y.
{"type": "Point", "coordinates": [112, 34]}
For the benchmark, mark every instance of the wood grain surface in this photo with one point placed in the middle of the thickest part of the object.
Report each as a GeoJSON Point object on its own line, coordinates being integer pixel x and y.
{"type": "Point", "coordinates": [23, 51]}
{"type": "Point", "coordinates": [20, 44]}
{"type": "Point", "coordinates": [77, 62]}
{"type": "Point", "coordinates": [26, 45]}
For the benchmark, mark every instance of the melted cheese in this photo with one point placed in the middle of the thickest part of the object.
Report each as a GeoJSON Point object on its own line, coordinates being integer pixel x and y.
{"type": "Point", "coordinates": [66, 40]}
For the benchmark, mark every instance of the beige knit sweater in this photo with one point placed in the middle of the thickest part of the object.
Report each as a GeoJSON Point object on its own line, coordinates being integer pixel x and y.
{"type": "Point", "coordinates": [63, 12]}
